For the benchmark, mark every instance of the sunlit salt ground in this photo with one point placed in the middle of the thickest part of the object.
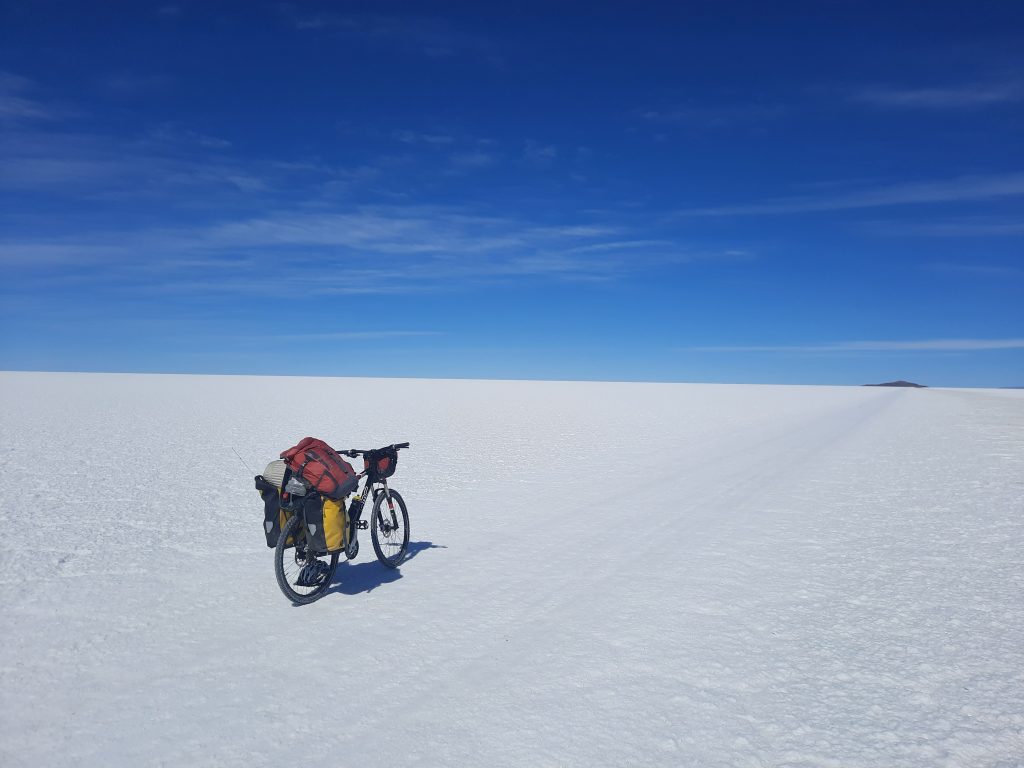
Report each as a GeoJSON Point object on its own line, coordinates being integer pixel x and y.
{"type": "Point", "coordinates": [602, 574]}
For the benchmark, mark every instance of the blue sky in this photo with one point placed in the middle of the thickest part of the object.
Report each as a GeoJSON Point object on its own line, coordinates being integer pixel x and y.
{"type": "Point", "coordinates": [820, 192]}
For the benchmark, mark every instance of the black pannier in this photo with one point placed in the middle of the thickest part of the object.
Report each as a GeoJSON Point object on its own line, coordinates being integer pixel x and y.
{"type": "Point", "coordinates": [278, 506]}
{"type": "Point", "coordinates": [324, 519]}
{"type": "Point", "coordinates": [326, 524]}
{"type": "Point", "coordinates": [274, 518]}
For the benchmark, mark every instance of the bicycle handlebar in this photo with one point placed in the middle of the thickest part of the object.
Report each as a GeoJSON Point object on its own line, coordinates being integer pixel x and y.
{"type": "Point", "coordinates": [354, 452]}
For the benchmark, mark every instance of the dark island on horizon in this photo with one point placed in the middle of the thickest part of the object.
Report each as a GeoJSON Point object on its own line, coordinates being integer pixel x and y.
{"type": "Point", "coordinates": [899, 383]}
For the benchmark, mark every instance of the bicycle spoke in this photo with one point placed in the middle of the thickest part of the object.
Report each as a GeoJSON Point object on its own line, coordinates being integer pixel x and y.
{"type": "Point", "coordinates": [302, 575]}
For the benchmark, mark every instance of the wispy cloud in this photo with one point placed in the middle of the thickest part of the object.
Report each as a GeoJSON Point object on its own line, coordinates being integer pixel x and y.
{"type": "Point", "coordinates": [979, 270]}
{"type": "Point", "coordinates": [473, 160]}
{"type": "Point", "coordinates": [577, 231]}
{"type": "Point", "coordinates": [971, 96]}
{"type": "Point", "coordinates": [368, 249]}
{"type": "Point", "coordinates": [715, 115]}
{"type": "Point", "coordinates": [963, 226]}
{"type": "Point", "coordinates": [176, 134]}
{"type": "Point", "coordinates": [539, 154]}
{"type": "Point", "coordinates": [289, 217]}
{"type": "Point", "coordinates": [347, 335]}
{"type": "Point", "coordinates": [118, 177]}
{"type": "Point", "coordinates": [417, 137]}
{"type": "Point", "coordinates": [396, 231]}
{"type": "Point", "coordinates": [960, 189]}
{"type": "Point", "coordinates": [930, 345]}
{"type": "Point", "coordinates": [16, 102]}
{"type": "Point", "coordinates": [427, 35]}
{"type": "Point", "coordinates": [134, 83]}
{"type": "Point", "coordinates": [623, 245]}
{"type": "Point", "coordinates": [170, 161]}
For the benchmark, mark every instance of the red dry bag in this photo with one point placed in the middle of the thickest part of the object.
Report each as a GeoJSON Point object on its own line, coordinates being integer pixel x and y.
{"type": "Point", "coordinates": [321, 466]}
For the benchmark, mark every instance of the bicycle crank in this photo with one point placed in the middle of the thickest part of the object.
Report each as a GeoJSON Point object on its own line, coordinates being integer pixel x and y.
{"type": "Point", "coordinates": [352, 549]}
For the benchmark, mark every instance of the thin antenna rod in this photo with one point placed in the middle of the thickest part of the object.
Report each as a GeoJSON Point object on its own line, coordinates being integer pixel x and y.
{"type": "Point", "coordinates": [240, 459]}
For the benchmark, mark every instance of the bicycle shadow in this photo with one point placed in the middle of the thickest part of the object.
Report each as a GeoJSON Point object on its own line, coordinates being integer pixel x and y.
{"type": "Point", "coordinates": [357, 578]}
{"type": "Point", "coordinates": [415, 547]}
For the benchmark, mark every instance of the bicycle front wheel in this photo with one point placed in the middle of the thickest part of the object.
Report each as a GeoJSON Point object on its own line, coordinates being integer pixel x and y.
{"type": "Point", "coordinates": [302, 576]}
{"type": "Point", "coordinates": [389, 529]}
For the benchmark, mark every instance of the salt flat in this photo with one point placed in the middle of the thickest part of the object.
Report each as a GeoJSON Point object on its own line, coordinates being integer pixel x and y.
{"type": "Point", "coordinates": [602, 574]}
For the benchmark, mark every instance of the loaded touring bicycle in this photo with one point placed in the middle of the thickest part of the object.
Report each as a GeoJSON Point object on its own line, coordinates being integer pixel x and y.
{"type": "Point", "coordinates": [306, 520]}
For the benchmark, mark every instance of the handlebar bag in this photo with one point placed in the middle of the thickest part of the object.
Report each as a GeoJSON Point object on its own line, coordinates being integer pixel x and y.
{"type": "Point", "coordinates": [321, 466]}
{"type": "Point", "coordinates": [326, 524]}
{"type": "Point", "coordinates": [380, 464]}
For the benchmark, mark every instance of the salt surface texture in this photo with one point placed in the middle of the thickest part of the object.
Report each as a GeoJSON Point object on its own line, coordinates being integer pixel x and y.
{"type": "Point", "coordinates": [601, 574]}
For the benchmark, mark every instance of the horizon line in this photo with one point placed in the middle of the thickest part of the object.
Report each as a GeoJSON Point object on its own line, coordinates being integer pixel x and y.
{"type": "Point", "coordinates": [493, 379]}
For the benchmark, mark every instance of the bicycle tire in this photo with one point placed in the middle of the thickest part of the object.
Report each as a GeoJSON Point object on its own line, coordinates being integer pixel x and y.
{"type": "Point", "coordinates": [393, 524]}
{"type": "Point", "coordinates": [294, 529]}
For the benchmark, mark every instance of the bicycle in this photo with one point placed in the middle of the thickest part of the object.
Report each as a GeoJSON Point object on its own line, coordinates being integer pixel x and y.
{"type": "Point", "coordinates": [304, 575]}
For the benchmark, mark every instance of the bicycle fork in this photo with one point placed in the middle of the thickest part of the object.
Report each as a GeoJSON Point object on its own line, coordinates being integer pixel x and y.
{"type": "Point", "coordinates": [391, 504]}
{"type": "Point", "coordinates": [355, 514]}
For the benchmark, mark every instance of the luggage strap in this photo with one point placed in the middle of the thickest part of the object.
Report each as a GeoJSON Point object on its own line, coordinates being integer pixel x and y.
{"type": "Point", "coordinates": [314, 456]}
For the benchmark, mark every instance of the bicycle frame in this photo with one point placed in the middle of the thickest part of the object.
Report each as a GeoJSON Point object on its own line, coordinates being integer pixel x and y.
{"type": "Point", "coordinates": [355, 509]}
{"type": "Point", "coordinates": [373, 487]}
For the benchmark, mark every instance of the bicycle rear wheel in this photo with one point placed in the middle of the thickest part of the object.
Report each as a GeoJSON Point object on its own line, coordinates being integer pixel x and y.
{"type": "Point", "coordinates": [301, 575]}
{"type": "Point", "coordinates": [389, 529]}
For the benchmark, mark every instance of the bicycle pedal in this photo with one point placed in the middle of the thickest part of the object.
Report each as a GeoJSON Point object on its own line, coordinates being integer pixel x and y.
{"type": "Point", "coordinates": [362, 525]}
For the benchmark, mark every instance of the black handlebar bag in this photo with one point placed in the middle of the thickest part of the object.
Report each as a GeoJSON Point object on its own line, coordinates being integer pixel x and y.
{"type": "Point", "coordinates": [380, 464]}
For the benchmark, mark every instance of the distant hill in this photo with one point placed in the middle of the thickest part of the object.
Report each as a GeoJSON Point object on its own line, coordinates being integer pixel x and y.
{"type": "Point", "coordinates": [900, 383]}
